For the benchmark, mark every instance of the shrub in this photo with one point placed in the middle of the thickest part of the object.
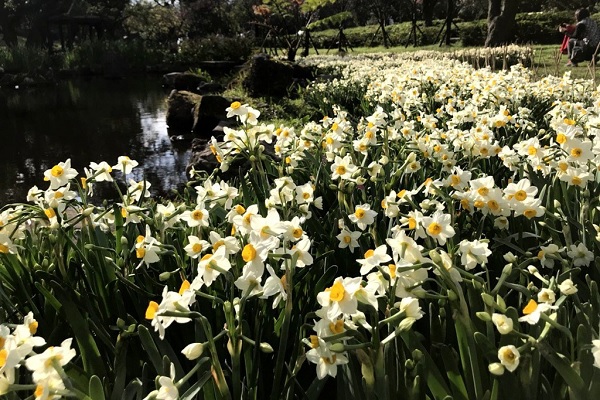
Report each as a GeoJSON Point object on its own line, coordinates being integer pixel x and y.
{"type": "Point", "coordinates": [215, 48]}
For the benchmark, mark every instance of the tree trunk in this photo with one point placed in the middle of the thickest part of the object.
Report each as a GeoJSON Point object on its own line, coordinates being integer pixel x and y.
{"type": "Point", "coordinates": [428, 8]}
{"type": "Point", "coordinates": [501, 22]}
{"type": "Point", "coordinates": [8, 26]}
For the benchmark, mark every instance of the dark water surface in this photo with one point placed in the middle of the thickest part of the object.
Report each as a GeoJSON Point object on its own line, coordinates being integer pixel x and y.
{"type": "Point", "coordinates": [86, 120]}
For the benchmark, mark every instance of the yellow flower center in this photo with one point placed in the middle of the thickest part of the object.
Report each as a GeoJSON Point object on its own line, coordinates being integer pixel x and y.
{"type": "Point", "coordinates": [576, 152]}
{"type": "Point", "coordinates": [520, 195]}
{"type": "Point", "coordinates": [454, 180]}
{"type": "Point", "coordinates": [58, 195]}
{"type": "Point", "coordinates": [359, 213]}
{"type": "Point", "coordinates": [576, 181]}
{"type": "Point", "coordinates": [39, 391]}
{"type": "Point", "coordinates": [240, 209]}
{"type": "Point", "coordinates": [508, 355]}
{"type": "Point", "coordinates": [529, 213]}
{"type": "Point", "coordinates": [3, 356]}
{"type": "Point", "coordinates": [412, 223]}
{"type": "Point", "coordinates": [337, 292]}
{"type": "Point", "coordinates": [478, 204]}
{"type": "Point", "coordinates": [185, 285]}
{"type": "Point", "coordinates": [297, 233]}
{"type": "Point", "coordinates": [197, 248]}
{"type": "Point", "coordinates": [337, 327]}
{"type": "Point", "coordinates": [347, 239]}
{"type": "Point", "coordinates": [57, 171]}
{"type": "Point", "coordinates": [335, 126]}
{"type": "Point", "coordinates": [235, 105]}
{"type": "Point", "coordinates": [33, 327]}
{"type": "Point", "coordinates": [314, 341]}
{"type": "Point", "coordinates": [140, 252]}
{"type": "Point", "coordinates": [151, 310]}
{"type": "Point", "coordinates": [330, 360]}
{"type": "Point", "coordinates": [401, 193]}
{"type": "Point", "coordinates": [369, 253]}
{"type": "Point", "coordinates": [218, 244]}
{"type": "Point", "coordinates": [530, 307]}
{"type": "Point", "coordinates": [248, 253]}
{"type": "Point", "coordinates": [3, 249]}
{"type": "Point", "coordinates": [340, 170]}
{"type": "Point", "coordinates": [434, 229]}
{"type": "Point", "coordinates": [306, 195]}
{"type": "Point", "coordinates": [124, 213]}
{"type": "Point", "coordinates": [140, 239]}
{"type": "Point", "coordinates": [532, 151]}
{"type": "Point", "coordinates": [197, 215]}
{"type": "Point", "coordinates": [483, 191]}
{"type": "Point", "coordinates": [392, 268]}
{"type": "Point", "coordinates": [561, 138]}
{"type": "Point", "coordinates": [50, 213]}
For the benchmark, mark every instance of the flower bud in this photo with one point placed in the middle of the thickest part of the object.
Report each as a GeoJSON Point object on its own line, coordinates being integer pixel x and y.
{"type": "Point", "coordinates": [193, 351]}
{"type": "Point", "coordinates": [496, 369]}
{"type": "Point", "coordinates": [483, 316]}
{"type": "Point", "coordinates": [337, 348]}
{"type": "Point", "coordinates": [266, 348]}
{"type": "Point", "coordinates": [164, 276]}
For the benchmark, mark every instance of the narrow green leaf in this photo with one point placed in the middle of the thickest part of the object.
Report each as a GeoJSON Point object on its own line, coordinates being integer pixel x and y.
{"type": "Point", "coordinates": [191, 393]}
{"type": "Point", "coordinates": [96, 390]}
{"type": "Point", "coordinates": [457, 384]}
{"type": "Point", "coordinates": [150, 347]}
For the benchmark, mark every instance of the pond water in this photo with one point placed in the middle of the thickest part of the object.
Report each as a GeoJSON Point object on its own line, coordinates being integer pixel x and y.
{"type": "Point", "coordinates": [86, 120]}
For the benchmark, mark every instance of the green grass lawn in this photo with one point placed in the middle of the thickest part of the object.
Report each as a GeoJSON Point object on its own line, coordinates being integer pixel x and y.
{"type": "Point", "coordinates": [547, 60]}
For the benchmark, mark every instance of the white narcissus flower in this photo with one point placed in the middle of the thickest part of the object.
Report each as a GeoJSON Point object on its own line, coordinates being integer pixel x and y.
{"type": "Point", "coordinates": [547, 255]}
{"type": "Point", "coordinates": [473, 253]}
{"type": "Point", "coordinates": [343, 168]}
{"type": "Point", "coordinates": [274, 285]}
{"type": "Point", "coordinates": [42, 365]}
{"type": "Point", "coordinates": [509, 357]}
{"type": "Point", "coordinates": [340, 297]}
{"type": "Point", "coordinates": [137, 190]}
{"type": "Point", "coordinates": [363, 216]}
{"type": "Point", "coordinates": [596, 352]}
{"type": "Point", "coordinates": [211, 265]}
{"type": "Point", "coordinates": [503, 323]}
{"type": "Point", "coordinates": [326, 360]}
{"type": "Point", "coordinates": [439, 226]}
{"type": "Point", "coordinates": [102, 171]}
{"type": "Point", "coordinates": [60, 174]}
{"type": "Point", "coordinates": [546, 296]}
{"type": "Point", "coordinates": [195, 246]}
{"type": "Point", "coordinates": [373, 258]}
{"type": "Point", "coordinates": [146, 248]}
{"type": "Point", "coordinates": [168, 390]}
{"type": "Point", "coordinates": [171, 301]}
{"type": "Point", "coordinates": [348, 239]}
{"type": "Point", "coordinates": [567, 287]}
{"type": "Point", "coordinates": [534, 310]}
{"type": "Point", "coordinates": [125, 164]}
{"type": "Point", "coordinates": [412, 310]}
{"type": "Point", "coordinates": [196, 217]}
{"type": "Point", "coordinates": [580, 255]}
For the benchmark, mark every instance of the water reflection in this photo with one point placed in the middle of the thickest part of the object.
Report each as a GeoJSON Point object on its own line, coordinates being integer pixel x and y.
{"type": "Point", "coordinates": [86, 120]}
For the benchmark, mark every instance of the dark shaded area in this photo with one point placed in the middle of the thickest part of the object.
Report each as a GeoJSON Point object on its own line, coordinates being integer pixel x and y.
{"type": "Point", "coordinates": [86, 120]}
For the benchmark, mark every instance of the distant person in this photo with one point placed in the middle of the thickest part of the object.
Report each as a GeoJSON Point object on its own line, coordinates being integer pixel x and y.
{"type": "Point", "coordinates": [568, 30]}
{"type": "Point", "coordinates": [583, 40]}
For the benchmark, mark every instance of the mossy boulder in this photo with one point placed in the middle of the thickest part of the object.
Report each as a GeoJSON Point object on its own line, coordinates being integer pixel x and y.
{"type": "Point", "coordinates": [268, 77]}
{"type": "Point", "coordinates": [190, 112]}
